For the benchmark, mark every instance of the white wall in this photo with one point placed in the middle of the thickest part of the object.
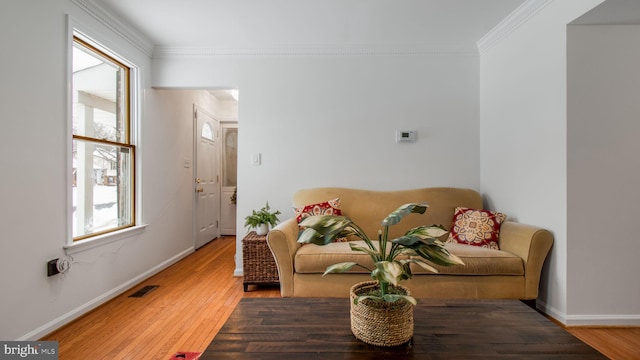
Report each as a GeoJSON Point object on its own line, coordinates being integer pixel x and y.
{"type": "Point", "coordinates": [34, 186]}
{"type": "Point", "coordinates": [331, 121]}
{"type": "Point", "coordinates": [523, 135]}
{"type": "Point", "coordinates": [603, 173]}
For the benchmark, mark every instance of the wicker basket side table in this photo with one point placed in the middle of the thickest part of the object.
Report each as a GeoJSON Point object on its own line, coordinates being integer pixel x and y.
{"type": "Point", "coordinates": [258, 264]}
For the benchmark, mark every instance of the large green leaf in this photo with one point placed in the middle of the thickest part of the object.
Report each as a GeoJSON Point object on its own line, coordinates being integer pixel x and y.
{"type": "Point", "coordinates": [374, 253]}
{"type": "Point", "coordinates": [340, 267]}
{"type": "Point", "coordinates": [420, 263]}
{"type": "Point", "coordinates": [439, 255]}
{"type": "Point", "coordinates": [407, 270]}
{"type": "Point", "coordinates": [396, 297]}
{"type": "Point", "coordinates": [432, 231]}
{"type": "Point", "coordinates": [429, 248]}
{"type": "Point", "coordinates": [403, 211]}
{"type": "Point", "coordinates": [389, 272]}
{"type": "Point", "coordinates": [405, 251]}
{"type": "Point", "coordinates": [416, 242]}
{"type": "Point", "coordinates": [311, 236]}
{"type": "Point", "coordinates": [407, 240]}
{"type": "Point", "coordinates": [323, 229]}
{"type": "Point", "coordinates": [325, 221]}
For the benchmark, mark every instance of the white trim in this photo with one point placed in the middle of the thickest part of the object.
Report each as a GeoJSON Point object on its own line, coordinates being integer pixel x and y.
{"type": "Point", "coordinates": [83, 309]}
{"type": "Point", "coordinates": [603, 320]}
{"type": "Point", "coordinates": [100, 240]}
{"type": "Point", "coordinates": [553, 312]}
{"type": "Point", "coordinates": [228, 120]}
{"type": "Point", "coordinates": [512, 22]}
{"type": "Point", "coordinates": [167, 52]}
{"type": "Point", "coordinates": [105, 17]}
{"type": "Point", "coordinates": [135, 121]}
{"type": "Point", "coordinates": [239, 270]}
{"type": "Point", "coordinates": [589, 320]}
{"type": "Point", "coordinates": [68, 130]}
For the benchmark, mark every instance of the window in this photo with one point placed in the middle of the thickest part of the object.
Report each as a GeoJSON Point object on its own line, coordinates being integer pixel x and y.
{"type": "Point", "coordinates": [230, 156]}
{"type": "Point", "coordinates": [102, 151]}
{"type": "Point", "coordinates": [207, 132]}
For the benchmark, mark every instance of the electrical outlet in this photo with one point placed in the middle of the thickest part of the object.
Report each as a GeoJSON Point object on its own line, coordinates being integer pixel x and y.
{"type": "Point", "coordinates": [52, 267]}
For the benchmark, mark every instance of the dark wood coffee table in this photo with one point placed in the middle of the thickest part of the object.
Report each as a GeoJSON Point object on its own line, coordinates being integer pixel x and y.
{"type": "Point", "coordinates": [313, 328]}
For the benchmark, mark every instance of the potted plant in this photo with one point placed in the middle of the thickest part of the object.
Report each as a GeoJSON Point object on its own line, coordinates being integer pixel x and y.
{"type": "Point", "coordinates": [260, 220]}
{"type": "Point", "coordinates": [383, 297]}
{"type": "Point", "coordinates": [234, 196]}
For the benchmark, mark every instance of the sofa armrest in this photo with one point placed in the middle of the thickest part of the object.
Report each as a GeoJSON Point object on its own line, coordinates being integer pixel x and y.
{"type": "Point", "coordinates": [282, 241]}
{"type": "Point", "coordinates": [530, 243]}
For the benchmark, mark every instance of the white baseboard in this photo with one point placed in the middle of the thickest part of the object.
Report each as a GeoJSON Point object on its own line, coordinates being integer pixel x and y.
{"type": "Point", "coordinates": [239, 271]}
{"type": "Point", "coordinates": [84, 308]}
{"type": "Point", "coordinates": [603, 320]}
{"type": "Point", "coordinates": [589, 320]}
{"type": "Point", "coordinates": [551, 311]}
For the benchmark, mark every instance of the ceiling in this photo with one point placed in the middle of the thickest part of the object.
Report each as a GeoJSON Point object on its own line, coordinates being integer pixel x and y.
{"type": "Point", "coordinates": [320, 25]}
{"type": "Point", "coordinates": [612, 12]}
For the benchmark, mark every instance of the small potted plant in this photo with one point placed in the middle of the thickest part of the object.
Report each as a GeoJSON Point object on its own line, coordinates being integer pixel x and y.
{"type": "Point", "coordinates": [382, 310]}
{"type": "Point", "coordinates": [234, 196]}
{"type": "Point", "coordinates": [260, 220]}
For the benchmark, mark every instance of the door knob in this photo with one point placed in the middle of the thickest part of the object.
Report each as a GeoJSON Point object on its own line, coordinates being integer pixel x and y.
{"type": "Point", "coordinates": [198, 180]}
{"type": "Point", "coordinates": [200, 190]}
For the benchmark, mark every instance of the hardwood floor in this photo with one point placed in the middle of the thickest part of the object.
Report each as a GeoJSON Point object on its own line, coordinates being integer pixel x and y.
{"type": "Point", "coordinates": [614, 342]}
{"type": "Point", "coordinates": [195, 298]}
{"type": "Point", "coordinates": [193, 301]}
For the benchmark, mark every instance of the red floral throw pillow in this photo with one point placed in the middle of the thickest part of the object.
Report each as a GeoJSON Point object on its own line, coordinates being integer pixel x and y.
{"type": "Point", "coordinates": [330, 207]}
{"type": "Point", "coordinates": [476, 227]}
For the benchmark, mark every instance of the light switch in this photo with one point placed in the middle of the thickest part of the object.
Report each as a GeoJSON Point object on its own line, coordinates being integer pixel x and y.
{"type": "Point", "coordinates": [187, 162]}
{"type": "Point", "coordinates": [255, 159]}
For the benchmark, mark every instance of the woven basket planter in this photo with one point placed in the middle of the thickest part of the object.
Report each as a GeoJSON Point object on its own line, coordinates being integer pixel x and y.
{"type": "Point", "coordinates": [380, 323]}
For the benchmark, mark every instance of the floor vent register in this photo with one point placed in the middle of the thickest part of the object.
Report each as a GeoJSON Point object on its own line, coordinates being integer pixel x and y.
{"type": "Point", "coordinates": [144, 291]}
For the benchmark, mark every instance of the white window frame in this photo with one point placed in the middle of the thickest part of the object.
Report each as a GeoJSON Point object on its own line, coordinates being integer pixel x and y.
{"type": "Point", "coordinates": [72, 246]}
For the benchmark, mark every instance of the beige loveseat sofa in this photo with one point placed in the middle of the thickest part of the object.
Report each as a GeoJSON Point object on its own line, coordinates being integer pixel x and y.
{"type": "Point", "coordinates": [513, 272]}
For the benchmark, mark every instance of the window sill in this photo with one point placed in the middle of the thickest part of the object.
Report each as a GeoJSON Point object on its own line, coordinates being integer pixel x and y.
{"type": "Point", "coordinates": [87, 244]}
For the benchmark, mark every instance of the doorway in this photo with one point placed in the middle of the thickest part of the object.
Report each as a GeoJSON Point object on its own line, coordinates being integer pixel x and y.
{"type": "Point", "coordinates": [229, 189]}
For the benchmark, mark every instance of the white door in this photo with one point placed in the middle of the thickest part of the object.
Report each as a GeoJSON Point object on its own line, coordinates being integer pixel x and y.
{"type": "Point", "coordinates": [207, 186]}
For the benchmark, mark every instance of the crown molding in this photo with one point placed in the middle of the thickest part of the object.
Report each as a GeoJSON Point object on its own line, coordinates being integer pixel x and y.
{"type": "Point", "coordinates": [512, 22]}
{"type": "Point", "coordinates": [124, 30]}
{"type": "Point", "coordinates": [168, 52]}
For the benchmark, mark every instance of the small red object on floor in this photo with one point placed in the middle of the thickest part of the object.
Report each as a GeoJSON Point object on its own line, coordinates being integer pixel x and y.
{"type": "Point", "coordinates": [185, 355]}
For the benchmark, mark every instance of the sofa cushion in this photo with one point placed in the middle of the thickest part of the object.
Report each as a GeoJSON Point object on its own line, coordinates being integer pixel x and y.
{"type": "Point", "coordinates": [476, 227]}
{"type": "Point", "coordinates": [329, 207]}
{"type": "Point", "coordinates": [478, 261]}
{"type": "Point", "coordinates": [313, 259]}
